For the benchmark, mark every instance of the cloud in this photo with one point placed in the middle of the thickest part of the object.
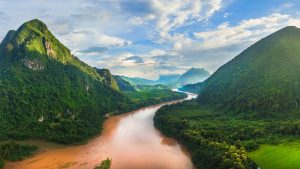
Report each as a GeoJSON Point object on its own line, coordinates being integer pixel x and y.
{"type": "Point", "coordinates": [174, 14]}
{"type": "Point", "coordinates": [80, 39]}
{"type": "Point", "coordinates": [169, 15]}
{"type": "Point", "coordinates": [137, 7]}
{"type": "Point", "coordinates": [226, 14]}
{"type": "Point", "coordinates": [136, 59]}
{"type": "Point", "coordinates": [167, 58]}
{"type": "Point", "coordinates": [151, 37]}
{"type": "Point", "coordinates": [215, 47]}
{"type": "Point", "coordinates": [208, 49]}
{"type": "Point", "coordinates": [94, 49]}
{"type": "Point", "coordinates": [247, 31]}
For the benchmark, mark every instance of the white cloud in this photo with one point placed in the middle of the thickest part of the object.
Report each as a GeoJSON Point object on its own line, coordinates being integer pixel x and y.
{"type": "Point", "coordinates": [136, 20]}
{"type": "Point", "coordinates": [85, 38]}
{"type": "Point", "coordinates": [177, 13]}
{"type": "Point", "coordinates": [247, 31]}
{"type": "Point", "coordinates": [213, 48]}
{"type": "Point", "coordinates": [226, 14]}
{"type": "Point", "coordinates": [209, 49]}
{"type": "Point", "coordinates": [167, 34]}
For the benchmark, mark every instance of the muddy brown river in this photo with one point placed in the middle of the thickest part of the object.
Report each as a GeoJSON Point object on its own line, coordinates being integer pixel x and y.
{"type": "Point", "coordinates": [130, 140]}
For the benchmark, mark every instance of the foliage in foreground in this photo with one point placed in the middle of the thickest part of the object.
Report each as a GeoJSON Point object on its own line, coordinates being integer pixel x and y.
{"type": "Point", "coordinates": [104, 164]}
{"type": "Point", "coordinates": [15, 152]}
{"type": "Point", "coordinates": [221, 140]}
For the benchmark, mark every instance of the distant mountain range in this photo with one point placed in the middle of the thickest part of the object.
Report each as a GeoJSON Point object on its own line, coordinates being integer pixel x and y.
{"type": "Point", "coordinates": [138, 81]}
{"type": "Point", "coordinates": [193, 75]}
{"type": "Point", "coordinates": [167, 79]}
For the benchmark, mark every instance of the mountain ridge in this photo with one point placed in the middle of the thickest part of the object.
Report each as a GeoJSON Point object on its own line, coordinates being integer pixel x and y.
{"type": "Point", "coordinates": [193, 75]}
{"type": "Point", "coordinates": [262, 78]}
{"type": "Point", "coordinates": [46, 93]}
{"type": "Point", "coordinates": [34, 44]}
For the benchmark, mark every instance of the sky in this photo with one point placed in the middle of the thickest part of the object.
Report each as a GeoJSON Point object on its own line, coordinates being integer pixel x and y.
{"type": "Point", "coordinates": [148, 38]}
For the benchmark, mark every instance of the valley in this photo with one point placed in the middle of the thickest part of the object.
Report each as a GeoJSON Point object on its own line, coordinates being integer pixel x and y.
{"type": "Point", "coordinates": [149, 84]}
{"type": "Point", "coordinates": [246, 114]}
{"type": "Point", "coordinates": [130, 140]}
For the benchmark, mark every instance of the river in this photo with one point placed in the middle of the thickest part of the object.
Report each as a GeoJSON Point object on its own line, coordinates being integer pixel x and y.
{"type": "Point", "coordinates": [130, 140]}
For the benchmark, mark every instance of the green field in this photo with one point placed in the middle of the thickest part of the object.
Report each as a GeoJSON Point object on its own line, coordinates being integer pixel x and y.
{"type": "Point", "coordinates": [154, 94]}
{"type": "Point", "coordinates": [282, 156]}
{"type": "Point", "coordinates": [209, 134]}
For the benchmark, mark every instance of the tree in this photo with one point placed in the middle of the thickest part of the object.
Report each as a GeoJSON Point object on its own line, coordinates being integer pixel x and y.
{"type": "Point", "coordinates": [104, 164]}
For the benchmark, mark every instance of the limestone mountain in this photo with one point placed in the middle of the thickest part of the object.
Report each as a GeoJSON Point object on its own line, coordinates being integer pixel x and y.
{"type": "Point", "coordinates": [48, 93]}
{"type": "Point", "coordinates": [264, 78]}
{"type": "Point", "coordinates": [34, 45]}
{"type": "Point", "coordinates": [109, 79]}
{"type": "Point", "coordinates": [193, 75]}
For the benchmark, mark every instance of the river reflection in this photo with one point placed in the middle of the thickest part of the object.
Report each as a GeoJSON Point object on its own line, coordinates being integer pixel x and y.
{"type": "Point", "coordinates": [130, 140]}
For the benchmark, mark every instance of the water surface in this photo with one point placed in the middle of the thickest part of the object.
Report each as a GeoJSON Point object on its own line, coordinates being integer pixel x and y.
{"type": "Point", "coordinates": [130, 140]}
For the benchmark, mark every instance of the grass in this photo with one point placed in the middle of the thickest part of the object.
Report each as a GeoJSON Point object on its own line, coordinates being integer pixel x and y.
{"type": "Point", "coordinates": [282, 156]}
{"type": "Point", "coordinates": [191, 112]}
{"type": "Point", "coordinates": [145, 95]}
{"type": "Point", "coordinates": [156, 94]}
{"type": "Point", "coordinates": [278, 138]}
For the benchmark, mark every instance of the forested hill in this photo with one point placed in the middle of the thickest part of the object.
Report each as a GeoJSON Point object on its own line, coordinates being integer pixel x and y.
{"type": "Point", "coordinates": [264, 78]}
{"type": "Point", "coordinates": [34, 45]}
{"type": "Point", "coordinates": [48, 93]}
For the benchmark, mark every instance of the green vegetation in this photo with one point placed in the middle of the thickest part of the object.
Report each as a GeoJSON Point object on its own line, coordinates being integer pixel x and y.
{"type": "Point", "coordinates": [123, 84]}
{"type": "Point", "coordinates": [14, 152]}
{"type": "Point", "coordinates": [104, 164]}
{"type": "Point", "coordinates": [192, 88]}
{"type": "Point", "coordinates": [109, 80]}
{"type": "Point", "coordinates": [212, 135]}
{"type": "Point", "coordinates": [46, 93]}
{"type": "Point", "coordinates": [2, 164]}
{"type": "Point", "coordinates": [33, 42]}
{"type": "Point", "coordinates": [263, 79]}
{"type": "Point", "coordinates": [250, 101]}
{"type": "Point", "coordinates": [285, 155]}
{"type": "Point", "coordinates": [149, 95]}
{"type": "Point", "coordinates": [138, 81]}
{"type": "Point", "coordinates": [209, 140]}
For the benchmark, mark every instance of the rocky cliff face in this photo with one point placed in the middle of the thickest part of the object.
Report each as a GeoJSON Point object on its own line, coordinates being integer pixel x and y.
{"type": "Point", "coordinates": [108, 78]}
{"type": "Point", "coordinates": [49, 51]}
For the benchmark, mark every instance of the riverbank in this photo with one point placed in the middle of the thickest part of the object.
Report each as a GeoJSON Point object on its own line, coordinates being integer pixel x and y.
{"type": "Point", "coordinates": [214, 138]}
{"type": "Point", "coordinates": [129, 139]}
{"type": "Point", "coordinates": [204, 136]}
{"type": "Point", "coordinates": [149, 95]}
